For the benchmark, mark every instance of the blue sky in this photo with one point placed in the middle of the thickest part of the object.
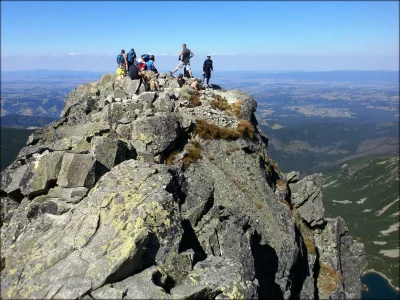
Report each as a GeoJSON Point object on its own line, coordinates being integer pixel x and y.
{"type": "Point", "coordinates": [242, 35]}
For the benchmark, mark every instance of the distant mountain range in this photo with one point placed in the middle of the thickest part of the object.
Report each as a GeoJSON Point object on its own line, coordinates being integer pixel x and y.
{"type": "Point", "coordinates": [20, 121]}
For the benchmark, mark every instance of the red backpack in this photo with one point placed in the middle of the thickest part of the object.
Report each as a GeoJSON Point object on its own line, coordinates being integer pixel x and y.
{"type": "Point", "coordinates": [142, 66]}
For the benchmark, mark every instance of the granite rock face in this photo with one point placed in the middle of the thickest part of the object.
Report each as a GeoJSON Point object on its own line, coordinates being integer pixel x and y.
{"type": "Point", "coordinates": [163, 195]}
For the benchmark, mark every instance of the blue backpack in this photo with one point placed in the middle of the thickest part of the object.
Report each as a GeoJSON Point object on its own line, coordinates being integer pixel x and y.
{"type": "Point", "coordinates": [120, 59]}
{"type": "Point", "coordinates": [131, 55]}
{"type": "Point", "coordinates": [146, 57]}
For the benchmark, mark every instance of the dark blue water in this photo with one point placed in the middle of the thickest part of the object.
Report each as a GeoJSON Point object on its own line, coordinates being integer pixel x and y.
{"type": "Point", "coordinates": [378, 288]}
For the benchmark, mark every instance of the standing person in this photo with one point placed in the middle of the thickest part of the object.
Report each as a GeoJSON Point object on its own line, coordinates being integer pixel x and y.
{"type": "Point", "coordinates": [207, 69]}
{"type": "Point", "coordinates": [184, 57]}
{"type": "Point", "coordinates": [121, 59]}
{"type": "Point", "coordinates": [131, 57]}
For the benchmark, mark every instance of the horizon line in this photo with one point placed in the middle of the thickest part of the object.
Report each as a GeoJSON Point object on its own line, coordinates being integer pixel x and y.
{"type": "Point", "coordinates": [199, 70]}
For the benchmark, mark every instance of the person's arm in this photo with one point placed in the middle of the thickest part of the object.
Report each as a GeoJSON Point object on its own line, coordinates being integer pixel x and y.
{"type": "Point", "coordinates": [181, 55]}
{"type": "Point", "coordinates": [126, 60]}
{"type": "Point", "coordinates": [191, 54]}
{"type": "Point", "coordinates": [212, 69]}
{"type": "Point", "coordinates": [204, 67]}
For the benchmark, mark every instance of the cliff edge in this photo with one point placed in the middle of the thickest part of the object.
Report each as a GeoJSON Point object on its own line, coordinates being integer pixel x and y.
{"type": "Point", "coordinates": [172, 195]}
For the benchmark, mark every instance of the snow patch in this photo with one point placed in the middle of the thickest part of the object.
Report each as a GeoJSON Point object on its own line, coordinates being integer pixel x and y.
{"type": "Point", "coordinates": [387, 207]}
{"type": "Point", "coordinates": [330, 183]}
{"type": "Point", "coordinates": [392, 228]}
{"type": "Point", "coordinates": [391, 253]}
{"type": "Point", "coordinates": [379, 243]}
{"type": "Point", "coordinates": [362, 200]}
{"type": "Point", "coordinates": [344, 166]}
{"type": "Point", "coordinates": [367, 210]}
{"type": "Point", "coordinates": [343, 202]}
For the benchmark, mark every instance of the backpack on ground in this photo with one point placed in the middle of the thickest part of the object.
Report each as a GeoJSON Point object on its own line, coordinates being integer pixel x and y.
{"type": "Point", "coordinates": [131, 56]}
{"type": "Point", "coordinates": [120, 59]}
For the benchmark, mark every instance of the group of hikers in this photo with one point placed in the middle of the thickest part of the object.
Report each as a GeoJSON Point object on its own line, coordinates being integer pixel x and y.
{"type": "Point", "coordinates": [144, 68]}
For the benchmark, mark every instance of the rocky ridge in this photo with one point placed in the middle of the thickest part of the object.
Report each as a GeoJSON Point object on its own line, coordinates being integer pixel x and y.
{"type": "Point", "coordinates": [136, 194]}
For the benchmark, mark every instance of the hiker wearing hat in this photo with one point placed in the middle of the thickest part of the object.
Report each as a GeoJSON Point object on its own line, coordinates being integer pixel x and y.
{"type": "Point", "coordinates": [207, 69]}
{"type": "Point", "coordinates": [184, 58]}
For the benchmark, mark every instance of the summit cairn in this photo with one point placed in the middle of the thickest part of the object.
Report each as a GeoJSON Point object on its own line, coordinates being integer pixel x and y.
{"type": "Point", "coordinates": [165, 195]}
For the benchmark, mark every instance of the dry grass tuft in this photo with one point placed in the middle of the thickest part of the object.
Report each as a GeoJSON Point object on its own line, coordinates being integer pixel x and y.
{"type": "Point", "coordinates": [193, 149]}
{"type": "Point", "coordinates": [194, 100]}
{"type": "Point", "coordinates": [231, 150]}
{"type": "Point", "coordinates": [220, 103]}
{"type": "Point", "coordinates": [328, 279]}
{"type": "Point", "coordinates": [280, 182]}
{"type": "Point", "coordinates": [287, 204]}
{"type": "Point", "coordinates": [209, 131]}
{"type": "Point", "coordinates": [259, 204]}
{"type": "Point", "coordinates": [238, 184]}
{"type": "Point", "coordinates": [234, 109]}
{"type": "Point", "coordinates": [246, 128]}
{"type": "Point", "coordinates": [237, 109]}
{"type": "Point", "coordinates": [171, 157]}
{"type": "Point", "coordinates": [310, 245]}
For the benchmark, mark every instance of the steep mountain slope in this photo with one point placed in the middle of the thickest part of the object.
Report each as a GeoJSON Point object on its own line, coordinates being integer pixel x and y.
{"type": "Point", "coordinates": [317, 146]}
{"type": "Point", "coordinates": [12, 140]}
{"type": "Point", "coordinates": [135, 194]}
{"type": "Point", "coordinates": [365, 193]}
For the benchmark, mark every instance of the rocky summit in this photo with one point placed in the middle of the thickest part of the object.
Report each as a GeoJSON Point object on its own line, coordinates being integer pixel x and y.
{"type": "Point", "coordinates": [171, 195]}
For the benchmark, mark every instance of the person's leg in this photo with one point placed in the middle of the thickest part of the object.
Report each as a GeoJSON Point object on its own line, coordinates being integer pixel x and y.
{"type": "Point", "coordinates": [180, 65]}
{"type": "Point", "coordinates": [189, 70]}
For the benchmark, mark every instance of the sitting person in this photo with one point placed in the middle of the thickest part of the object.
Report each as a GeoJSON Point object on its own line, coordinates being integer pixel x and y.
{"type": "Point", "coordinates": [142, 64]}
{"type": "Point", "coordinates": [121, 71]}
{"type": "Point", "coordinates": [134, 72]}
{"type": "Point", "coordinates": [196, 85]}
{"type": "Point", "coordinates": [180, 80]}
{"type": "Point", "coordinates": [150, 80]}
{"type": "Point", "coordinates": [150, 63]}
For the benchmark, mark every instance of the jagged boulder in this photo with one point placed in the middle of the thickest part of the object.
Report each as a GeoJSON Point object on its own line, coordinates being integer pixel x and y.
{"type": "Point", "coordinates": [152, 135]}
{"type": "Point", "coordinates": [113, 231]}
{"type": "Point", "coordinates": [307, 198]}
{"type": "Point", "coordinates": [77, 170]}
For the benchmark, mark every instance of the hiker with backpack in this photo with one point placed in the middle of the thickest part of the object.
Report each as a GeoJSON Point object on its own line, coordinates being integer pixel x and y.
{"type": "Point", "coordinates": [121, 59]}
{"type": "Point", "coordinates": [131, 57]}
{"type": "Point", "coordinates": [150, 63]}
{"type": "Point", "coordinates": [142, 63]}
{"type": "Point", "coordinates": [184, 58]}
{"type": "Point", "coordinates": [207, 69]}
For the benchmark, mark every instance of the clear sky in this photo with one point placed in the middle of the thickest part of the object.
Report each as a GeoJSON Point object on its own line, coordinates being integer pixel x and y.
{"type": "Point", "coordinates": [240, 35]}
